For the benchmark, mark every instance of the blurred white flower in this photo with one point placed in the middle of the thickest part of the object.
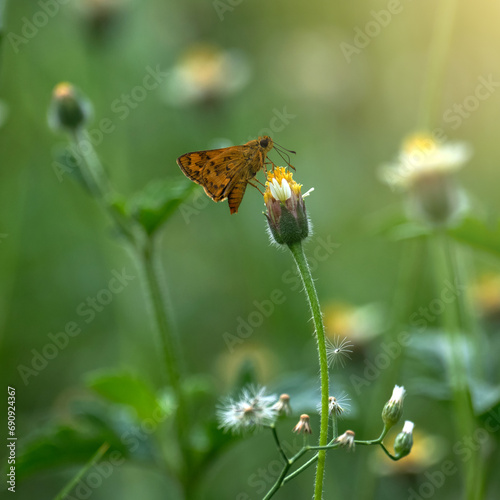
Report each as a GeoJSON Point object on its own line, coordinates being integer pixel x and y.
{"type": "Point", "coordinates": [420, 156]}
{"type": "Point", "coordinates": [253, 409]}
{"type": "Point", "coordinates": [206, 73]}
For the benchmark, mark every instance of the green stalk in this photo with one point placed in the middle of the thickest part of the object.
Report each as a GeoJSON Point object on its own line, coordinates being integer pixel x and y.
{"type": "Point", "coordinates": [312, 296]}
{"type": "Point", "coordinates": [74, 481]}
{"type": "Point", "coordinates": [170, 350]}
{"type": "Point", "coordinates": [144, 247]}
{"type": "Point", "coordinates": [446, 270]}
{"type": "Point", "coordinates": [438, 53]}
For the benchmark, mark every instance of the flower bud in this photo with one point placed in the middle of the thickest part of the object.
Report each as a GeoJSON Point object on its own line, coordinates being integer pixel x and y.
{"type": "Point", "coordinates": [69, 110]}
{"type": "Point", "coordinates": [404, 441]}
{"type": "Point", "coordinates": [393, 409]}
{"type": "Point", "coordinates": [286, 210]}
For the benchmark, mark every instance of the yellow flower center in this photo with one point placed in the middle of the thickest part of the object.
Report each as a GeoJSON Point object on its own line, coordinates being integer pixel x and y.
{"type": "Point", "coordinates": [63, 89]}
{"type": "Point", "coordinates": [419, 143]}
{"type": "Point", "coordinates": [278, 174]}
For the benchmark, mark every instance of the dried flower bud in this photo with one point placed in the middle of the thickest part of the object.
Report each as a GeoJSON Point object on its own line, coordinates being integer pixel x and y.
{"type": "Point", "coordinates": [282, 406]}
{"type": "Point", "coordinates": [303, 425]}
{"type": "Point", "coordinates": [346, 440]}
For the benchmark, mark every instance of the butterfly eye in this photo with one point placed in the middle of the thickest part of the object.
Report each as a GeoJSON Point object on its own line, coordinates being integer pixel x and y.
{"type": "Point", "coordinates": [264, 143]}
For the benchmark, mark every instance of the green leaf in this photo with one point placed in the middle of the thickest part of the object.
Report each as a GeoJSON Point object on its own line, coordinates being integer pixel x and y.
{"type": "Point", "coordinates": [479, 235]}
{"type": "Point", "coordinates": [65, 445]}
{"type": "Point", "coordinates": [126, 389]}
{"type": "Point", "coordinates": [158, 201]}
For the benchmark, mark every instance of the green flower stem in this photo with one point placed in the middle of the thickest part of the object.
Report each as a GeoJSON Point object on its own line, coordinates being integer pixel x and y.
{"type": "Point", "coordinates": [100, 189]}
{"type": "Point", "coordinates": [170, 347]}
{"type": "Point", "coordinates": [75, 480]}
{"type": "Point", "coordinates": [438, 53]}
{"type": "Point", "coordinates": [278, 443]}
{"type": "Point", "coordinates": [312, 296]}
{"type": "Point", "coordinates": [447, 271]}
{"type": "Point", "coordinates": [313, 459]}
{"type": "Point", "coordinates": [284, 478]}
{"type": "Point", "coordinates": [335, 425]}
{"type": "Point", "coordinates": [409, 270]}
{"type": "Point", "coordinates": [143, 245]}
{"type": "Point", "coordinates": [388, 453]}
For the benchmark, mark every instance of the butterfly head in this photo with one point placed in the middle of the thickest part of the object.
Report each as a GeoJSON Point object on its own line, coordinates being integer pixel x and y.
{"type": "Point", "coordinates": [266, 143]}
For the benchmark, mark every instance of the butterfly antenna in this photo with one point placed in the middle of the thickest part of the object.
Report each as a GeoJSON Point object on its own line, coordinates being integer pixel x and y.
{"type": "Point", "coordinates": [284, 149]}
{"type": "Point", "coordinates": [287, 159]}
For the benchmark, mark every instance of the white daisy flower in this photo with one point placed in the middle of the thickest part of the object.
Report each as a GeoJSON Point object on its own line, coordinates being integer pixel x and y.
{"type": "Point", "coordinates": [422, 156]}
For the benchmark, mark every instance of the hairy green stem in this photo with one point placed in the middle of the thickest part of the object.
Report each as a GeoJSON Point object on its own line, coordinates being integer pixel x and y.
{"type": "Point", "coordinates": [312, 296]}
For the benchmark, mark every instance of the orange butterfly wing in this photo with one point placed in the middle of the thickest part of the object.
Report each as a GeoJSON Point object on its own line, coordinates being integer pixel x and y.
{"type": "Point", "coordinates": [223, 173]}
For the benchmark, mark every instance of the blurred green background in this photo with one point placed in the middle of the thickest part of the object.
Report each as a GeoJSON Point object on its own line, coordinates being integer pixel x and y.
{"type": "Point", "coordinates": [229, 71]}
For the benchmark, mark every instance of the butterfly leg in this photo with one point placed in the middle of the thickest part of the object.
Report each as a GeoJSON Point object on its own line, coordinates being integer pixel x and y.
{"type": "Point", "coordinates": [255, 186]}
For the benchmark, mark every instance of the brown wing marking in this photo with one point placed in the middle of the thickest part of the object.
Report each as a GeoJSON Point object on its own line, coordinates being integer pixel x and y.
{"type": "Point", "coordinates": [222, 173]}
{"type": "Point", "coordinates": [236, 196]}
{"type": "Point", "coordinates": [192, 164]}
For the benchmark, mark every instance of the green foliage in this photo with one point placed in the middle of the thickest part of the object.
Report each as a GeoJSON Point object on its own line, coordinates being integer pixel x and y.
{"type": "Point", "coordinates": [152, 206]}
{"type": "Point", "coordinates": [130, 390]}
{"type": "Point", "coordinates": [479, 235]}
{"type": "Point", "coordinates": [74, 443]}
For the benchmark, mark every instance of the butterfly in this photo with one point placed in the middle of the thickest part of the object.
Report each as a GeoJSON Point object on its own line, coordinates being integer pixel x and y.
{"type": "Point", "coordinates": [225, 173]}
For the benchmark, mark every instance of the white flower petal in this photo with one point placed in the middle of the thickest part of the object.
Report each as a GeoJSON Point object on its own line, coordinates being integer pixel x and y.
{"type": "Point", "coordinates": [408, 427]}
